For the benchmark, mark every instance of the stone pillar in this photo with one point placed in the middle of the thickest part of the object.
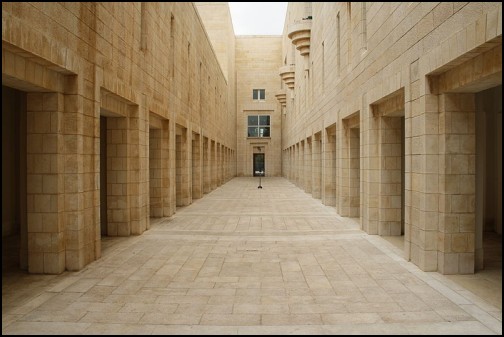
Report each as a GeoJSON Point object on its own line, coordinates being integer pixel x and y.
{"type": "Point", "coordinates": [294, 163]}
{"type": "Point", "coordinates": [329, 167]}
{"type": "Point", "coordinates": [219, 164]}
{"type": "Point", "coordinates": [370, 173]}
{"type": "Point", "coordinates": [301, 165]}
{"type": "Point", "coordinates": [118, 213]}
{"type": "Point", "coordinates": [45, 183]}
{"type": "Point", "coordinates": [426, 180]}
{"type": "Point", "coordinates": [206, 165]}
{"type": "Point", "coordinates": [166, 164]}
{"type": "Point", "coordinates": [81, 141]}
{"type": "Point", "coordinates": [197, 174]}
{"type": "Point", "coordinates": [140, 200]}
{"type": "Point", "coordinates": [349, 172]}
{"type": "Point", "coordinates": [457, 184]}
{"type": "Point", "coordinates": [213, 165]}
{"type": "Point", "coordinates": [137, 171]}
{"type": "Point", "coordinates": [289, 164]}
{"type": "Point", "coordinates": [155, 173]}
{"type": "Point", "coordinates": [390, 215]}
{"type": "Point", "coordinates": [354, 172]}
{"type": "Point", "coordinates": [308, 165]}
{"type": "Point", "coordinates": [317, 166]}
{"type": "Point", "coordinates": [183, 179]}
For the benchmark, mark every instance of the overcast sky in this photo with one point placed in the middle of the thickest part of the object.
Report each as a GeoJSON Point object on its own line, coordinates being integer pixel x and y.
{"type": "Point", "coordinates": [258, 18]}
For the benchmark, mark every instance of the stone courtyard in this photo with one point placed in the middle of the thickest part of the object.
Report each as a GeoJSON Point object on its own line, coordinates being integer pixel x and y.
{"type": "Point", "coordinates": [244, 260]}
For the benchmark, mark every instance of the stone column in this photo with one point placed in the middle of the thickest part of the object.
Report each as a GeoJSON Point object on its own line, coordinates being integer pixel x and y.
{"type": "Point", "coordinates": [197, 174]}
{"type": "Point", "coordinates": [118, 217]}
{"type": "Point", "coordinates": [349, 173]}
{"type": "Point", "coordinates": [457, 184]}
{"type": "Point", "coordinates": [81, 141]}
{"type": "Point", "coordinates": [317, 166]}
{"type": "Point", "coordinates": [354, 172]}
{"type": "Point", "coordinates": [301, 165]}
{"type": "Point", "coordinates": [296, 163]}
{"type": "Point", "coordinates": [183, 179]}
{"type": "Point", "coordinates": [166, 164]}
{"type": "Point", "coordinates": [206, 165]}
{"type": "Point", "coordinates": [219, 164]}
{"type": "Point", "coordinates": [390, 215]}
{"type": "Point", "coordinates": [308, 165]}
{"type": "Point", "coordinates": [213, 165]}
{"type": "Point", "coordinates": [370, 173]}
{"type": "Point", "coordinates": [138, 168]}
{"type": "Point", "coordinates": [329, 167]}
{"type": "Point", "coordinates": [155, 173]}
{"type": "Point", "coordinates": [45, 183]}
{"type": "Point", "coordinates": [426, 180]}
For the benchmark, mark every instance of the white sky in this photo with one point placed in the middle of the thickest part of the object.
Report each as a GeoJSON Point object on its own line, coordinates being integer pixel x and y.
{"type": "Point", "coordinates": [258, 18]}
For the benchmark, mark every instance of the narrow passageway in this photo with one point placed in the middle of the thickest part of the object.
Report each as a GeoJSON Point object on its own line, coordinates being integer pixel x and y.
{"type": "Point", "coordinates": [244, 260]}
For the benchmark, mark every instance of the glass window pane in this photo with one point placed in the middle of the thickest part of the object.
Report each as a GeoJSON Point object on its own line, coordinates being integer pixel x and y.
{"type": "Point", "coordinates": [255, 94]}
{"type": "Point", "coordinates": [253, 132]}
{"type": "Point", "coordinates": [264, 120]}
{"type": "Point", "coordinates": [264, 132]}
{"type": "Point", "coordinates": [253, 120]}
{"type": "Point", "coordinates": [262, 93]}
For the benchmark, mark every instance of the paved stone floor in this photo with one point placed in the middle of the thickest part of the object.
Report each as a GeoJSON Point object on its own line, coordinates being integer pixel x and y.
{"type": "Point", "coordinates": [247, 261]}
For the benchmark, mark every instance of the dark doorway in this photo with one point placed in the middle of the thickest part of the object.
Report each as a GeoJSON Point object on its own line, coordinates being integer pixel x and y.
{"type": "Point", "coordinates": [103, 175]}
{"type": "Point", "coordinates": [258, 164]}
{"type": "Point", "coordinates": [14, 180]}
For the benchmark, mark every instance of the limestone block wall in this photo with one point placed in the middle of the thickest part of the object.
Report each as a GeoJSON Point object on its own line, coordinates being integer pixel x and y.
{"type": "Point", "coordinates": [382, 75]}
{"type": "Point", "coordinates": [257, 63]}
{"type": "Point", "coordinates": [141, 66]}
{"type": "Point", "coordinates": [216, 19]}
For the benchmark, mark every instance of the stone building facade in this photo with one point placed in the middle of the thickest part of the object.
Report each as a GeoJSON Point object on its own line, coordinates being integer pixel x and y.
{"type": "Point", "coordinates": [113, 113]}
{"type": "Point", "coordinates": [394, 116]}
{"type": "Point", "coordinates": [258, 118]}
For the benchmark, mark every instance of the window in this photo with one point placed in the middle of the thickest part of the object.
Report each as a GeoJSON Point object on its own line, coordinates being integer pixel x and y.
{"type": "Point", "coordinates": [258, 94]}
{"type": "Point", "coordinates": [258, 126]}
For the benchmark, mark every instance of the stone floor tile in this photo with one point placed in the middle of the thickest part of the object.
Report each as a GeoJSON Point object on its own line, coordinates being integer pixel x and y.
{"type": "Point", "coordinates": [131, 298]}
{"type": "Point", "coordinates": [327, 308]}
{"type": "Point", "coordinates": [149, 307]}
{"type": "Point", "coordinates": [112, 317]}
{"type": "Point", "coordinates": [46, 328]}
{"type": "Point", "coordinates": [95, 306]}
{"type": "Point", "coordinates": [444, 328]}
{"type": "Point", "coordinates": [261, 309]}
{"type": "Point", "coordinates": [176, 319]}
{"type": "Point", "coordinates": [68, 315]}
{"type": "Point", "coordinates": [7, 319]}
{"type": "Point", "coordinates": [119, 329]}
{"type": "Point", "coordinates": [373, 307]}
{"type": "Point", "coordinates": [194, 330]}
{"type": "Point", "coordinates": [410, 316]}
{"type": "Point", "coordinates": [231, 320]}
{"type": "Point", "coordinates": [291, 319]}
{"type": "Point", "coordinates": [488, 320]}
{"type": "Point", "coordinates": [358, 318]}
{"type": "Point", "coordinates": [30, 305]}
{"type": "Point", "coordinates": [186, 308]}
{"type": "Point", "coordinates": [178, 299]}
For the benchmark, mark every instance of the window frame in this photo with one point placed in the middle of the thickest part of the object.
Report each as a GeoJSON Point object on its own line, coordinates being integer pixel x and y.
{"type": "Point", "coordinates": [258, 126]}
{"type": "Point", "coordinates": [256, 95]}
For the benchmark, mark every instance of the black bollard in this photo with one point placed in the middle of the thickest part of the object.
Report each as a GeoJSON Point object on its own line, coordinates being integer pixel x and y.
{"type": "Point", "coordinates": [260, 173]}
